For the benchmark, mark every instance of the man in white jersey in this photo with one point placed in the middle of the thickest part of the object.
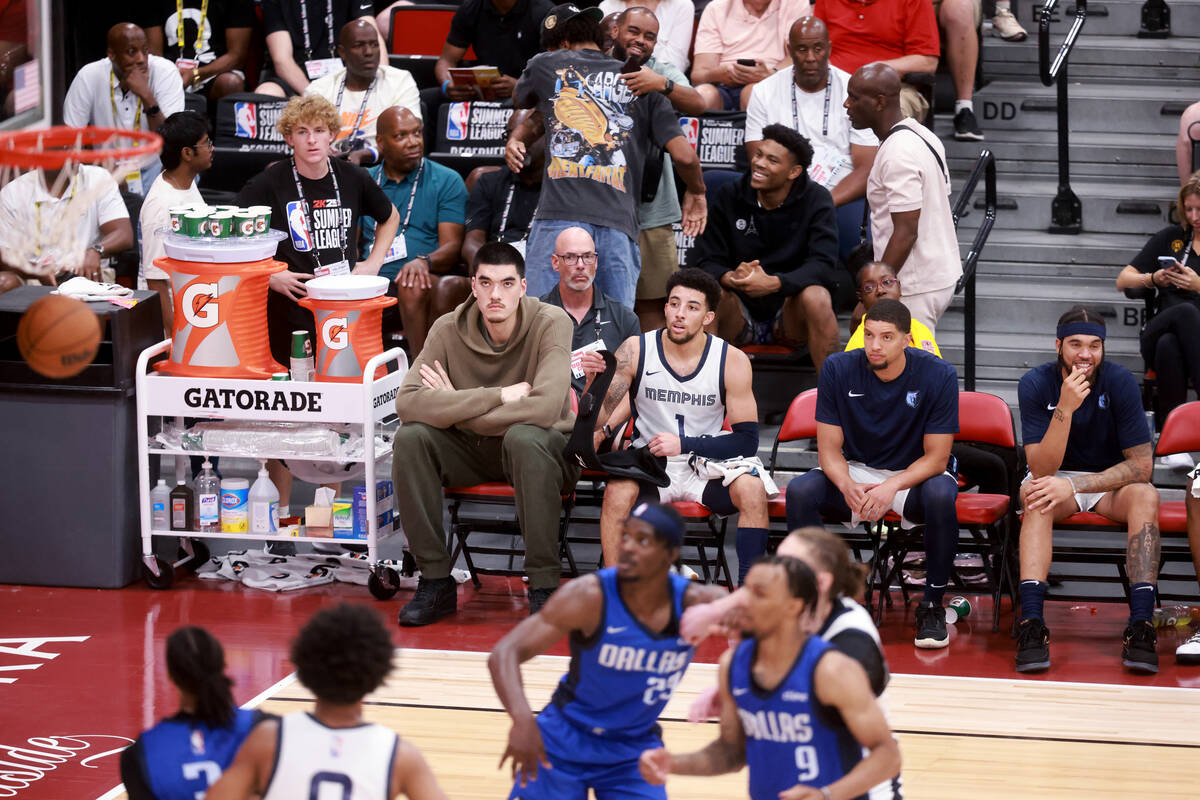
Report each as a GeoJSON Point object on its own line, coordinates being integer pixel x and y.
{"type": "Point", "coordinates": [680, 385]}
{"type": "Point", "coordinates": [341, 655]}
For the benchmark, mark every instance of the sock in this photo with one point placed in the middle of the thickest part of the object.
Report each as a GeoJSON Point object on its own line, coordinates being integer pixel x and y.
{"type": "Point", "coordinates": [933, 594]}
{"type": "Point", "coordinates": [1142, 598]}
{"type": "Point", "coordinates": [1033, 597]}
{"type": "Point", "coordinates": [284, 511]}
{"type": "Point", "coordinates": [1003, 5]}
{"type": "Point", "coordinates": [959, 105]}
{"type": "Point", "coordinates": [751, 543]}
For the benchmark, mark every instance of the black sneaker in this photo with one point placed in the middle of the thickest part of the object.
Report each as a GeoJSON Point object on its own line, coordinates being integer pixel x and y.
{"type": "Point", "coordinates": [1033, 646]}
{"type": "Point", "coordinates": [435, 598]}
{"type": "Point", "coordinates": [931, 626]}
{"type": "Point", "coordinates": [537, 599]}
{"type": "Point", "coordinates": [1140, 648]}
{"type": "Point", "coordinates": [966, 128]}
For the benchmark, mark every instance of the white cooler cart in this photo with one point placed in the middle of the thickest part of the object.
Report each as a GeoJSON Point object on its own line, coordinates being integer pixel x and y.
{"type": "Point", "coordinates": [369, 406]}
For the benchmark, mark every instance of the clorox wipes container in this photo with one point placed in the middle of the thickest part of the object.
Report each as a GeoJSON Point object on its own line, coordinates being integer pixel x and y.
{"type": "Point", "coordinates": [349, 313]}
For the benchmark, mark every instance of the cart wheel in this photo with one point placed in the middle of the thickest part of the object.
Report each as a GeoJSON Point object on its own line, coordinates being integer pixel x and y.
{"type": "Point", "coordinates": [164, 578]}
{"type": "Point", "coordinates": [200, 555]}
{"type": "Point", "coordinates": [383, 582]}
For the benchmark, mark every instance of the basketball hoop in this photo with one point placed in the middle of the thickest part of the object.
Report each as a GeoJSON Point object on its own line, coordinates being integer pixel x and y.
{"type": "Point", "coordinates": [40, 230]}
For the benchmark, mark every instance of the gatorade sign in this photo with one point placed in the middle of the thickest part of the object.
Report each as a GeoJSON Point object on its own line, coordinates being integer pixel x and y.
{"type": "Point", "coordinates": [200, 305]}
{"type": "Point", "coordinates": [334, 333]}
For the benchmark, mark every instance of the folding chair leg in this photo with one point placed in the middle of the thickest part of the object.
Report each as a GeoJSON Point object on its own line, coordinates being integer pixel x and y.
{"type": "Point", "coordinates": [462, 533]}
{"type": "Point", "coordinates": [722, 561]}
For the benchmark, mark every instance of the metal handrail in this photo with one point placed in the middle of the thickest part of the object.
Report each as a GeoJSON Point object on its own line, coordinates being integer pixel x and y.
{"type": "Point", "coordinates": [1047, 71]}
{"type": "Point", "coordinates": [985, 167]}
{"type": "Point", "coordinates": [1066, 213]}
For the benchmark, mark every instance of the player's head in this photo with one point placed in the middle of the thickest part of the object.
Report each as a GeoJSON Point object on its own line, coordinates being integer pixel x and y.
{"type": "Point", "coordinates": [498, 281]}
{"type": "Point", "coordinates": [309, 124]}
{"type": "Point", "coordinates": [778, 590]}
{"type": "Point", "coordinates": [1079, 340]}
{"type": "Point", "coordinates": [575, 259]}
{"type": "Point", "coordinates": [1189, 201]}
{"type": "Point", "coordinates": [196, 665]}
{"type": "Point", "coordinates": [874, 281]}
{"type": "Point", "coordinates": [568, 24]}
{"type": "Point", "coordinates": [401, 138]}
{"type": "Point", "coordinates": [826, 554]}
{"type": "Point", "coordinates": [650, 540]}
{"type": "Point", "coordinates": [692, 298]}
{"type": "Point", "coordinates": [637, 34]}
{"type": "Point", "coordinates": [343, 653]}
{"type": "Point", "coordinates": [872, 92]}
{"type": "Point", "coordinates": [358, 47]}
{"type": "Point", "coordinates": [808, 45]}
{"type": "Point", "coordinates": [185, 137]}
{"type": "Point", "coordinates": [781, 158]}
{"type": "Point", "coordinates": [127, 48]}
{"type": "Point", "coordinates": [886, 332]}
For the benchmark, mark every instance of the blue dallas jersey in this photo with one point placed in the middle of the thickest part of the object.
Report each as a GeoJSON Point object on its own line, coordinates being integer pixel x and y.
{"type": "Point", "coordinates": [182, 758]}
{"type": "Point", "coordinates": [621, 677]}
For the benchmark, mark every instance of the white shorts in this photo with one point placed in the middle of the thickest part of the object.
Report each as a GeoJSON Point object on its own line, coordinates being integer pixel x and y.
{"type": "Point", "coordinates": [1086, 500]}
{"type": "Point", "coordinates": [861, 473]}
{"type": "Point", "coordinates": [685, 484]}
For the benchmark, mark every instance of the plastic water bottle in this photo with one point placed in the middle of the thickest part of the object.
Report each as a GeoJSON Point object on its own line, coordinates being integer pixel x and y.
{"type": "Point", "coordinates": [160, 502]}
{"type": "Point", "coordinates": [264, 504]}
{"type": "Point", "coordinates": [208, 499]}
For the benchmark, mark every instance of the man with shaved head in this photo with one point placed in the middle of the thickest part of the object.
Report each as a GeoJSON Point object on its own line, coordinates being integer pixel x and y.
{"type": "Point", "coordinates": [363, 90]}
{"type": "Point", "coordinates": [908, 190]}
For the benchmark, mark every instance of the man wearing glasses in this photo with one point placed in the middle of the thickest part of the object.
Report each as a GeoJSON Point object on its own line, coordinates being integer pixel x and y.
{"type": "Point", "coordinates": [601, 323]}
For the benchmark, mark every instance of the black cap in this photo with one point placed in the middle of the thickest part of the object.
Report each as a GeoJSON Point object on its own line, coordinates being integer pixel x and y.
{"type": "Point", "coordinates": [565, 12]}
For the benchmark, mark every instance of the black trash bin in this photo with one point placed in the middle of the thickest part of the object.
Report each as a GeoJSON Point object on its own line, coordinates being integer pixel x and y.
{"type": "Point", "coordinates": [69, 478]}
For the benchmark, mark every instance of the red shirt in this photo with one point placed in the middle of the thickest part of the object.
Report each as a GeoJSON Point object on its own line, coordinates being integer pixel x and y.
{"type": "Point", "coordinates": [878, 31]}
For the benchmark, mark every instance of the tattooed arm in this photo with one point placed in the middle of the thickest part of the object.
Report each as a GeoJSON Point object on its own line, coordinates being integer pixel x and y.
{"type": "Point", "coordinates": [626, 370]}
{"type": "Point", "coordinates": [1136, 468]}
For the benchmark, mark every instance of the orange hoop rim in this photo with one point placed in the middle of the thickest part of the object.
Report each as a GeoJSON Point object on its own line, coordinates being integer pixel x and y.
{"type": "Point", "coordinates": [52, 148]}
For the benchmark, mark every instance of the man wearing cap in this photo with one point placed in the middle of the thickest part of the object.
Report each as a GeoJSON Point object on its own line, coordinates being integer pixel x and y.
{"type": "Point", "coordinates": [1088, 448]}
{"type": "Point", "coordinates": [627, 658]}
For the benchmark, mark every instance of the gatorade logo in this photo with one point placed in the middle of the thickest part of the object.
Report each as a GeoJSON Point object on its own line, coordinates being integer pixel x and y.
{"type": "Point", "coordinates": [334, 333]}
{"type": "Point", "coordinates": [199, 305]}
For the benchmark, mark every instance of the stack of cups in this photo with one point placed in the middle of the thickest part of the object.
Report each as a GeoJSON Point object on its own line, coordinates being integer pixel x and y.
{"type": "Point", "coordinates": [219, 222]}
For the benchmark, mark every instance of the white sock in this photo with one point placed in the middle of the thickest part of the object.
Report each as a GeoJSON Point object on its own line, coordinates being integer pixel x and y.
{"type": "Point", "coordinates": [1003, 5]}
{"type": "Point", "coordinates": [959, 105]}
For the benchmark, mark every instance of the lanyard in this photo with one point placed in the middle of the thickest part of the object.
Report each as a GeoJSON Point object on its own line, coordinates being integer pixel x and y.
{"type": "Point", "coordinates": [412, 197]}
{"type": "Point", "coordinates": [308, 51]}
{"type": "Point", "coordinates": [596, 324]}
{"type": "Point", "coordinates": [312, 223]}
{"type": "Point", "coordinates": [112, 101]}
{"type": "Point", "coordinates": [362, 110]}
{"type": "Point", "coordinates": [512, 187]}
{"type": "Point", "coordinates": [199, 28]}
{"type": "Point", "coordinates": [824, 117]}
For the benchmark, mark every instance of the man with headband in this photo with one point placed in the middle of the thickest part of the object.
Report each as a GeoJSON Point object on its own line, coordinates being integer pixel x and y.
{"type": "Point", "coordinates": [1088, 448]}
{"type": "Point", "coordinates": [626, 659]}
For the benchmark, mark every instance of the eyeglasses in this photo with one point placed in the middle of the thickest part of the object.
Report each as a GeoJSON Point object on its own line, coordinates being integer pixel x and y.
{"type": "Point", "coordinates": [571, 259]}
{"type": "Point", "coordinates": [887, 283]}
{"type": "Point", "coordinates": [206, 143]}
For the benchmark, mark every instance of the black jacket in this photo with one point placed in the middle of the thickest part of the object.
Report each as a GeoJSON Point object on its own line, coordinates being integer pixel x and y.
{"type": "Point", "coordinates": [797, 242]}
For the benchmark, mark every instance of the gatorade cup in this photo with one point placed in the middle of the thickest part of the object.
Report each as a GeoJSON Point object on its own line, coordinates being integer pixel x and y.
{"type": "Point", "coordinates": [348, 310]}
{"type": "Point", "coordinates": [303, 364]}
{"type": "Point", "coordinates": [178, 213]}
{"type": "Point", "coordinates": [243, 222]}
{"type": "Point", "coordinates": [195, 223]}
{"type": "Point", "coordinates": [262, 218]}
{"type": "Point", "coordinates": [220, 224]}
{"type": "Point", "coordinates": [962, 607]}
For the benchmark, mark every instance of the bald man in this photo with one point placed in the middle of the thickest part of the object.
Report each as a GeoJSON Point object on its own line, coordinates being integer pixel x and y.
{"type": "Point", "coordinates": [423, 260]}
{"type": "Point", "coordinates": [908, 190]}
{"type": "Point", "coordinates": [363, 90]}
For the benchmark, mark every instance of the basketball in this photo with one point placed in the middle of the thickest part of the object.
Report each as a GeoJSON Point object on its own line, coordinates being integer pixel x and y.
{"type": "Point", "coordinates": [58, 336]}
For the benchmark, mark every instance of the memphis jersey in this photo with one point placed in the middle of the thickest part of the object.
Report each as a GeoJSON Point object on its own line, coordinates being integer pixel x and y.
{"type": "Point", "coordinates": [621, 677]}
{"type": "Point", "coordinates": [318, 762]}
{"type": "Point", "coordinates": [181, 758]}
{"type": "Point", "coordinates": [685, 405]}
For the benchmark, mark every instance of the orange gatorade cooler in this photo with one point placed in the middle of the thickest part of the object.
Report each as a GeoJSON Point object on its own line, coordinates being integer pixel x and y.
{"type": "Point", "coordinates": [349, 312]}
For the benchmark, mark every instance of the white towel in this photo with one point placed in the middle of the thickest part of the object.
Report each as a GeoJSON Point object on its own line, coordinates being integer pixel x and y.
{"type": "Point", "coordinates": [84, 289]}
{"type": "Point", "coordinates": [728, 469]}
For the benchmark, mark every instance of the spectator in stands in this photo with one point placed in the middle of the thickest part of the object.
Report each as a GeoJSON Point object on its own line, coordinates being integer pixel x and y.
{"type": "Point", "coordinates": [1088, 449]}
{"type": "Point", "coordinates": [424, 257]}
{"type": "Point", "coordinates": [875, 281]}
{"type": "Point", "coordinates": [208, 41]}
{"type": "Point", "coordinates": [600, 322]}
{"type": "Point", "coordinates": [504, 35]}
{"type": "Point", "coordinates": [187, 151]}
{"type": "Point", "coordinates": [301, 44]}
{"type": "Point", "coordinates": [636, 43]}
{"type": "Point", "coordinates": [501, 204]}
{"type": "Point", "coordinates": [771, 242]}
{"type": "Point", "coordinates": [363, 90]}
{"type": "Point", "coordinates": [1171, 337]}
{"type": "Point", "coordinates": [596, 144]}
{"type": "Point", "coordinates": [886, 419]}
{"type": "Point", "coordinates": [675, 19]}
{"type": "Point", "coordinates": [1004, 23]}
{"type": "Point", "coordinates": [1189, 132]}
{"type": "Point", "coordinates": [488, 399]}
{"type": "Point", "coordinates": [808, 96]}
{"type": "Point", "coordinates": [908, 190]}
{"type": "Point", "coordinates": [739, 43]}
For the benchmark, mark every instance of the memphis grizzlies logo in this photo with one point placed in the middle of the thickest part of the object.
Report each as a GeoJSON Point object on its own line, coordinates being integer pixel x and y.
{"type": "Point", "coordinates": [913, 399]}
{"type": "Point", "coordinates": [1103, 400]}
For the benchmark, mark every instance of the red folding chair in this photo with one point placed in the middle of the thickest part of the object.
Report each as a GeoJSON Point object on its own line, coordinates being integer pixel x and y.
{"type": "Point", "coordinates": [1180, 434]}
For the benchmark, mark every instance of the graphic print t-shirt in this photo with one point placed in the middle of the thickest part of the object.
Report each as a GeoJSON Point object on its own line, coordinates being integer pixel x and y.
{"type": "Point", "coordinates": [597, 134]}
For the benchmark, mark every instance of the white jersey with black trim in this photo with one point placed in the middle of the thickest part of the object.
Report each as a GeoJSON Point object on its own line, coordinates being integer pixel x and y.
{"type": "Point", "coordinates": [313, 760]}
{"type": "Point", "coordinates": [663, 401]}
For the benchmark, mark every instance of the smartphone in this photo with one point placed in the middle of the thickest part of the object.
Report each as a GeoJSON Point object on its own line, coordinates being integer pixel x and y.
{"type": "Point", "coordinates": [631, 65]}
{"type": "Point", "coordinates": [747, 62]}
{"type": "Point", "coordinates": [1166, 262]}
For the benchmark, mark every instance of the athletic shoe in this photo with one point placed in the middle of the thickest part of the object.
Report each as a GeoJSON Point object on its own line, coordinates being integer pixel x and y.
{"type": "Point", "coordinates": [966, 128]}
{"type": "Point", "coordinates": [1140, 647]}
{"type": "Point", "coordinates": [537, 599]}
{"type": "Point", "coordinates": [1181, 461]}
{"type": "Point", "coordinates": [1005, 25]}
{"type": "Point", "coordinates": [435, 598]}
{"type": "Point", "coordinates": [1189, 651]}
{"type": "Point", "coordinates": [1033, 645]}
{"type": "Point", "coordinates": [931, 626]}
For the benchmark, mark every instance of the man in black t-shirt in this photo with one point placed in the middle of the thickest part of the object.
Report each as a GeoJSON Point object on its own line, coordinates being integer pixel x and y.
{"type": "Point", "coordinates": [207, 39]}
{"type": "Point", "coordinates": [302, 40]}
{"type": "Point", "coordinates": [501, 205]}
{"type": "Point", "coordinates": [504, 35]}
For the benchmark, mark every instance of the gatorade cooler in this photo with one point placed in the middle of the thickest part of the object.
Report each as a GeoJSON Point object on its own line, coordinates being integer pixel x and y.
{"type": "Point", "coordinates": [349, 312]}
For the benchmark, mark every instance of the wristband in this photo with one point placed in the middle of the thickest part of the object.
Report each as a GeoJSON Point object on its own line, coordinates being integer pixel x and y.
{"type": "Point", "coordinates": [445, 85]}
{"type": "Point", "coordinates": [828, 795]}
{"type": "Point", "coordinates": [152, 110]}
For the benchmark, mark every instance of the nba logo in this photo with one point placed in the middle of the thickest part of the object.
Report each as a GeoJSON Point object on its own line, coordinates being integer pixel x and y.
{"type": "Point", "coordinates": [245, 121]}
{"type": "Point", "coordinates": [297, 222]}
{"type": "Point", "coordinates": [457, 118]}
{"type": "Point", "coordinates": [691, 130]}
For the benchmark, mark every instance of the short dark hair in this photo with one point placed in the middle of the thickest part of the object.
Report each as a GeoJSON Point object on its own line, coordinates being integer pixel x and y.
{"type": "Point", "coordinates": [343, 653]}
{"type": "Point", "coordinates": [893, 311]}
{"type": "Point", "coordinates": [701, 281]}
{"type": "Point", "coordinates": [792, 140]}
{"type": "Point", "coordinates": [181, 129]}
{"type": "Point", "coordinates": [497, 253]}
{"type": "Point", "coordinates": [1082, 314]}
{"type": "Point", "coordinates": [858, 273]}
{"type": "Point", "coordinates": [801, 581]}
{"type": "Point", "coordinates": [196, 664]}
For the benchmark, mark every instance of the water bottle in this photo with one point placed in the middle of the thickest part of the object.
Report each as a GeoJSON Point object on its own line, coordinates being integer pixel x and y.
{"type": "Point", "coordinates": [264, 504]}
{"type": "Point", "coordinates": [208, 499]}
{"type": "Point", "coordinates": [183, 511]}
{"type": "Point", "coordinates": [160, 501]}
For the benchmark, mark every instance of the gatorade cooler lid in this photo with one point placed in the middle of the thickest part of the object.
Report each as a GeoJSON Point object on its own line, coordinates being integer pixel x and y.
{"type": "Point", "coordinates": [347, 287]}
{"type": "Point", "coordinates": [233, 250]}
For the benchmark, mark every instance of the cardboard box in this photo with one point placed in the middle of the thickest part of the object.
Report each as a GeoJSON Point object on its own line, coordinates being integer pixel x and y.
{"type": "Point", "coordinates": [318, 521]}
{"type": "Point", "coordinates": [343, 514]}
